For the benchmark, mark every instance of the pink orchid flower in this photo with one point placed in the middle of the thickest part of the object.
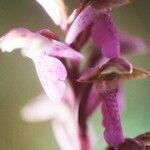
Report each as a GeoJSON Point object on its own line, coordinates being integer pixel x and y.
{"type": "Point", "coordinates": [103, 30]}
{"type": "Point", "coordinates": [62, 115]}
{"type": "Point", "coordinates": [43, 51]}
{"type": "Point", "coordinates": [106, 79]}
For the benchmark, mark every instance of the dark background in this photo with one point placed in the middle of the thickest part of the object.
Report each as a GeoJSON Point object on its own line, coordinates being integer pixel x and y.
{"type": "Point", "coordinates": [19, 82]}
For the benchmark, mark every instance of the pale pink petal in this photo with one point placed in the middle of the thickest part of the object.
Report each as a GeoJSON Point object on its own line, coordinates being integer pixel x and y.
{"type": "Point", "coordinates": [16, 38]}
{"type": "Point", "coordinates": [42, 108]}
{"type": "Point", "coordinates": [66, 134]}
{"type": "Point", "coordinates": [85, 18]}
{"type": "Point", "coordinates": [69, 96]}
{"type": "Point", "coordinates": [39, 109]}
{"type": "Point", "coordinates": [59, 49]}
{"type": "Point", "coordinates": [52, 74]}
{"type": "Point", "coordinates": [72, 17]}
{"type": "Point", "coordinates": [92, 138]}
{"type": "Point", "coordinates": [56, 10]}
{"type": "Point", "coordinates": [41, 44]}
{"type": "Point", "coordinates": [22, 38]}
{"type": "Point", "coordinates": [105, 36]}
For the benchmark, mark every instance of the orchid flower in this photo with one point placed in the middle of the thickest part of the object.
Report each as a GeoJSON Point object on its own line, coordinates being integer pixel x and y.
{"type": "Point", "coordinates": [103, 30]}
{"type": "Point", "coordinates": [107, 79]}
{"type": "Point", "coordinates": [43, 51]}
{"type": "Point", "coordinates": [62, 115]}
{"type": "Point", "coordinates": [102, 23]}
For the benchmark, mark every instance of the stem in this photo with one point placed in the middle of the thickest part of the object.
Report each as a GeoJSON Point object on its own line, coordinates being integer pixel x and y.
{"type": "Point", "coordinates": [82, 118]}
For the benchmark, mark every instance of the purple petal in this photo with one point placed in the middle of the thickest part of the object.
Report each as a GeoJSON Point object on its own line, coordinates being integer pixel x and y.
{"type": "Point", "coordinates": [84, 19]}
{"type": "Point", "coordinates": [59, 49]}
{"type": "Point", "coordinates": [52, 74]}
{"type": "Point", "coordinates": [113, 133]}
{"type": "Point", "coordinates": [105, 36]}
{"type": "Point", "coordinates": [56, 10]}
{"type": "Point", "coordinates": [89, 75]}
{"type": "Point", "coordinates": [133, 44]}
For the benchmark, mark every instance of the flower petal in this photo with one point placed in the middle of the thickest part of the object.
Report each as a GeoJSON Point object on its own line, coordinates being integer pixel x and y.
{"type": "Point", "coordinates": [66, 134]}
{"type": "Point", "coordinates": [95, 99]}
{"type": "Point", "coordinates": [59, 49]}
{"type": "Point", "coordinates": [90, 75]}
{"type": "Point", "coordinates": [42, 108]}
{"type": "Point", "coordinates": [22, 38]}
{"type": "Point", "coordinates": [84, 19]}
{"type": "Point", "coordinates": [116, 65]}
{"type": "Point", "coordinates": [145, 138]}
{"type": "Point", "coordinates": [132, 144]}
{"type": "Point", "coordinates": [56, 10]}
{"type": "Point", "coordinates": [39, 109]}
{"type": "Point", "coordinates": [41, 44]}
{"type": "Point", "coordinates": [69, 96]}
{"type": "Point", "coordinates": [14, 39]}
{"type": "Point", "coordinates": [133, 45]}
{"type": "Point", "coordinates": [105, 36]}
{"type": "Point", "coordinates": [52, 74]}
{"type": "Point", "coordinates": [113, 133]}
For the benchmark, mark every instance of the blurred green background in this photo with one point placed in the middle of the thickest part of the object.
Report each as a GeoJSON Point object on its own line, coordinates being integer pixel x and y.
{"type": "Point", "coordinates": [19, 82]}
